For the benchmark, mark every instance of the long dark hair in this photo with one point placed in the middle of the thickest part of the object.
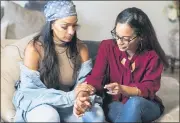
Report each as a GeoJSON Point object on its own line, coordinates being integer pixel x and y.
{"type": "Point", "coordinates": [142, 26]}
{"type": "Point", "coordinates": [49, 66]}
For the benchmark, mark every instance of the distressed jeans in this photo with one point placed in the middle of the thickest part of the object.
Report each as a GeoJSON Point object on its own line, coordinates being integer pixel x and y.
{"type": "Point", "coordinates": [136, 109]}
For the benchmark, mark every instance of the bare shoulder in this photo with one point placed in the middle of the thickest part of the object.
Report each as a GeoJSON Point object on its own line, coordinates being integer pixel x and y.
{"type": "Point", "coordinates": [32, 55]}
{"type": "Point", "coordinates": [83, 50]}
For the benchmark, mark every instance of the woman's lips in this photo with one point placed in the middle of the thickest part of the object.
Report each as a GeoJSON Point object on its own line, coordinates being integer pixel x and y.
{"type": "Point", "coordinates": [122, 47]}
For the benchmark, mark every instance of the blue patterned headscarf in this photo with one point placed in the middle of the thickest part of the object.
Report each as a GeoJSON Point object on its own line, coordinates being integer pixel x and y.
{"type": "Point", "coordinates": [59, 9]}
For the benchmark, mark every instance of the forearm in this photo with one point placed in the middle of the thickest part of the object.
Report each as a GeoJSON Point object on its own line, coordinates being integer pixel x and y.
{"type": "Point", "coordinates": [130, 91]}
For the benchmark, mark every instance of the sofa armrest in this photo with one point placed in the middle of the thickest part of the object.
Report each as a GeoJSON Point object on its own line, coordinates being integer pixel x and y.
{"type": "Point", "coordinates": [2, 11]}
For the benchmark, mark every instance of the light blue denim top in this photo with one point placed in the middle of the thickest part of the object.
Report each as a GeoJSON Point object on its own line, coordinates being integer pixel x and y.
{"type": "Point", "coordinates": [31, 92]}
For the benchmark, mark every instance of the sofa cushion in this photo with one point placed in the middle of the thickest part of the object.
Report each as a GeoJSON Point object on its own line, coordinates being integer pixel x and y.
{"type": "Point", "coordinates": [93, 48]}
{"type": "Point", "coordinates": [169, 93]}
{"type": "Point", "coordinates": [10, 57]}
{"type": "Point", "coordinates": [23, 22]}
{"type": "Point", "coordinates": [7, 42]}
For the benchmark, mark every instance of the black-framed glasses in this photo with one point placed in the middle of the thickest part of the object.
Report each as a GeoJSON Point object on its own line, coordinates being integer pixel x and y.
{"type": "Point", "coordinates": [123, 38]}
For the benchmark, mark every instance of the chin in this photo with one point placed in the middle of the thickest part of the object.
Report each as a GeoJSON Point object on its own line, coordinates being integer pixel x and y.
{"type": "Point", "coordinates": [125, 49]}
{"type": "Point", "coordinates": [67, 40]}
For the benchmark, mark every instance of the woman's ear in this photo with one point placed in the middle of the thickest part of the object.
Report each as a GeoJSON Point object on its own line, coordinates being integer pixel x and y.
{"type": "Point", "coordinates": [52, 25]}
{"type": "Point", "coordinates": [140, 35]}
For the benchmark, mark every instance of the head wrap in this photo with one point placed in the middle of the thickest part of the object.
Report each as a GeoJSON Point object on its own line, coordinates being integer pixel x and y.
{"type": "Point", "coordinates": [59, 9]}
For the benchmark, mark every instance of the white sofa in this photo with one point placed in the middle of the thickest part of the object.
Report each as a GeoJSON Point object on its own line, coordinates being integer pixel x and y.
{"type": "Point", "coordinates": [12, 52]}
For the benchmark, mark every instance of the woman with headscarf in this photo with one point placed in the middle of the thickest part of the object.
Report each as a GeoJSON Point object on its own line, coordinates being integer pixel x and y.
{"type": "Point", "coordinates": [55, 63]}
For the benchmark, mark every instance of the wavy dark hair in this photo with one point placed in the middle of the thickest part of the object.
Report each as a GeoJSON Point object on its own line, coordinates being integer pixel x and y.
{"type": "Point", "coordinates": [49, 65]}
{"type": "Point", "coordinates": [143, 28]}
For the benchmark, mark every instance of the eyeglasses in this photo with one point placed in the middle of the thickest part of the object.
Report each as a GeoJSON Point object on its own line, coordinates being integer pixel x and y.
{"type": "Point", "coordinates": [123, 38]}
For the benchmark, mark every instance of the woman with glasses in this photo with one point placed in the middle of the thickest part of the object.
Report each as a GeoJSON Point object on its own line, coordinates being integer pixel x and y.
{"type": "Point", "coordinates": [133, 62]}
{"type": "Point", "coordinates": [55, 63]}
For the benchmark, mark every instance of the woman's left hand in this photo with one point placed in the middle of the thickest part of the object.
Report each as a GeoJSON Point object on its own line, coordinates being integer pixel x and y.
{"type": "Point", "coordinates": [116, 88]}
{"type": "Point", "coordinates": [113, 88]}
{"type": "Point", "coordinates": [84, 87]}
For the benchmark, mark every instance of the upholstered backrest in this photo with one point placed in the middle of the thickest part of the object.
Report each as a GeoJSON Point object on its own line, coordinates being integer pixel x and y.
{"type": "Point", "coordinates": [10, 56]}
{"type": "Point", "coordinates": [93, 48]}
{"type": "Point", "coordinates": [22, 22]}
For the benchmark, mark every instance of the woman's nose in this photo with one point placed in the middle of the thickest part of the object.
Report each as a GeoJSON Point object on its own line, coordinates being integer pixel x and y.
{"type": "Point", "coordinates": [70, 31]}
{"type": "Point", "coordinates": [119, 42]}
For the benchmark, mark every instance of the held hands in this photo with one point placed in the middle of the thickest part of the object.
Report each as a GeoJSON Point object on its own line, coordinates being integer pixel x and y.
{"type": "Point", "coordinates": [84, 87]}
{"type": "Point", "coordinates": [82, 103]}
{"type": "Point", "coordinates": [83, 91]}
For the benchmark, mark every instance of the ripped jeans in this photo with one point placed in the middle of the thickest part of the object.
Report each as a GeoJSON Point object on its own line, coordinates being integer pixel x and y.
{"type": "Point", "coordinates": [136, 109]}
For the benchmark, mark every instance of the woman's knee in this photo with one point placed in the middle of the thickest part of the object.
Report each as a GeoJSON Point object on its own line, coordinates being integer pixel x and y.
{"type": "Point", "coordinates": [135, 103]}
{"type": "Point", "coordinates": [114, 106]}
{"type": "Point", "coordinates": [95, 114]}
{"type": "Point", "coordinates": [43, 113]}
{"type": "Point", "coordinates": [114, 109]}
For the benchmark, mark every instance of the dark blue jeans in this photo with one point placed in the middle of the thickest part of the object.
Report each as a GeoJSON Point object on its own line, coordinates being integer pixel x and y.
{"type": "Point", "coordinates": [136, 109]}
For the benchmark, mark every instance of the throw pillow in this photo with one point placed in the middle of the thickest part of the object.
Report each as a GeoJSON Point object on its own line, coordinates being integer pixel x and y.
{"type": "Point", "coordinates": [7, 42]}
{"type": "Point", "coordinates": [23, 22]}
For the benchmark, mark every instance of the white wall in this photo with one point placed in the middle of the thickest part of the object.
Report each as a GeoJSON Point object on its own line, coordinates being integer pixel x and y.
{"type": "Point", "coordinates": [97, 18]}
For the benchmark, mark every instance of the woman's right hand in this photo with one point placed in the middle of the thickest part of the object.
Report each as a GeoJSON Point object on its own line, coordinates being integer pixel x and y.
{"type": "Point", "coordinates": [82, 103]}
